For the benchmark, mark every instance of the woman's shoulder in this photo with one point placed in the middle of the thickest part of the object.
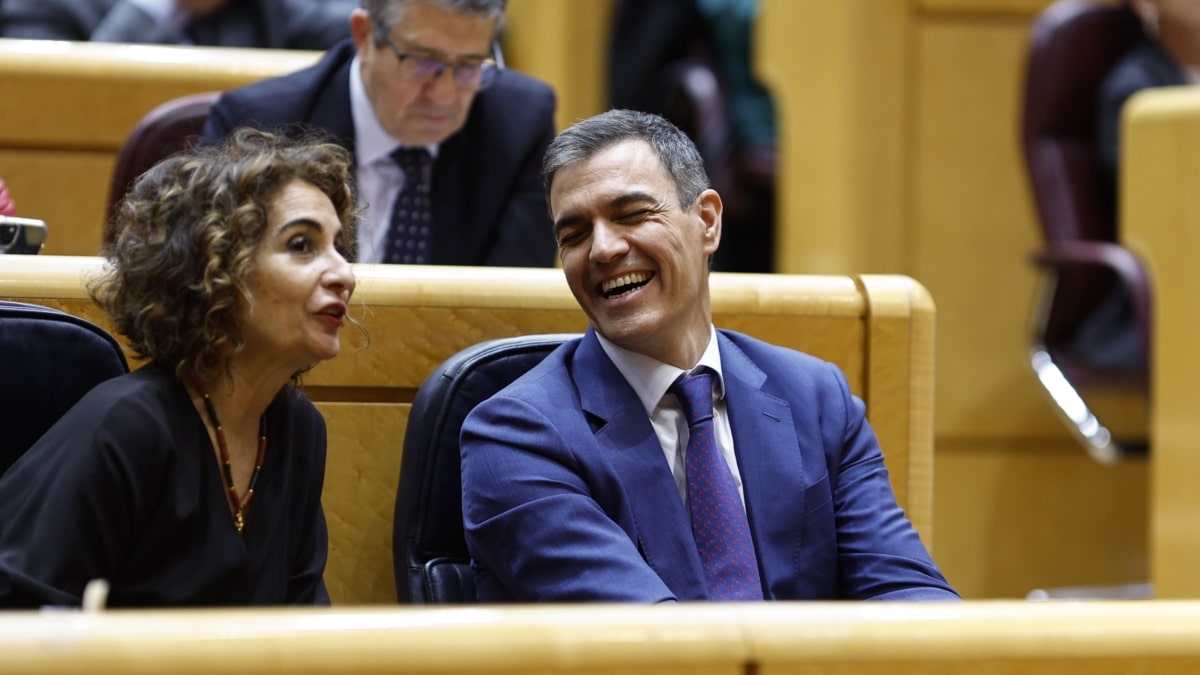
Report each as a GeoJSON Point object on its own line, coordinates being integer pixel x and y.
{"type": "Point", "coordinates": [146, 403]}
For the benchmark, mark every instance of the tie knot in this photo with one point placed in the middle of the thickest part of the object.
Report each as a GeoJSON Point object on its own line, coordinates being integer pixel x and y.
{"type": "Point", "coordinates": [695, 395]}
{"type": "Point", "coordinates": [414, 161]}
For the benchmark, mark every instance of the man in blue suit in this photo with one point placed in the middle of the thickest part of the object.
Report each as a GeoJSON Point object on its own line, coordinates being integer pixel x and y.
{"type": "Point", "coordinates": [420, 74]}
{"type": "Point", "coordinates": [576, 483]}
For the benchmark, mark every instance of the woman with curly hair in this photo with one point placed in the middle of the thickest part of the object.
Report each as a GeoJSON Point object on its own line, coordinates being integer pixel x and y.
{"type": "Point", "coordinates": [196, 479]}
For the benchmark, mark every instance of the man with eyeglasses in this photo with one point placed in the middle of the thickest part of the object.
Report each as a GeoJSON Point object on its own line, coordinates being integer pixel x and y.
{"type": "Point", "coordinates": [420, 74]}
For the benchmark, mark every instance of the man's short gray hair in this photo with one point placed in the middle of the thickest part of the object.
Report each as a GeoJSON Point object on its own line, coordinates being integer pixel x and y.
{"type": "Point", "coordinates": [675, 150]}
{"type": "Point", "coordinates": [391, 12]}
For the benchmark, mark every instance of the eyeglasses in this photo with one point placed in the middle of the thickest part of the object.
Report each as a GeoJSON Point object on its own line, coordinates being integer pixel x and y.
{"type": "Point", "coordinates": [426, 68]}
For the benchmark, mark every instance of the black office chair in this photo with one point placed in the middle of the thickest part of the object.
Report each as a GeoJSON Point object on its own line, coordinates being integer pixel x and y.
{"type": "Point", "coordinates": [1073, 45]}
{"type": "Point", "coordinates": [48, 360]}
{"type": "Point", "coordinates": [429, 552]}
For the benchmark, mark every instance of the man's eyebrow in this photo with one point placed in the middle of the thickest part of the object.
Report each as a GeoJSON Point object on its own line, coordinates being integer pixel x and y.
{"type": "Point", "coordinates": [632, 198]}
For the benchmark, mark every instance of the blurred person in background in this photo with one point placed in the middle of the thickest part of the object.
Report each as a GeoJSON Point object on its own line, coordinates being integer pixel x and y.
{"type": "Point", "coordinates": [267, 24]}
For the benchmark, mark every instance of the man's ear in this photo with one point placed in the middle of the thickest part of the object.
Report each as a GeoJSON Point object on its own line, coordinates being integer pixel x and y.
{"type": "Point", "coordinates": [360, 28]}
{"type": "Point", "coordinates": [709, 208]}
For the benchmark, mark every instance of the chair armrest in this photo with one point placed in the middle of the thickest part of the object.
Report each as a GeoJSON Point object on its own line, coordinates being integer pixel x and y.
{"type": "Point", "coordinates": [1113, 257]}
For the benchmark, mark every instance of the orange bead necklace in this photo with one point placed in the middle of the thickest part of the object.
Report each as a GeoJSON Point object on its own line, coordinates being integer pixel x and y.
{"type": "Point", "coordinates": [237, 504]}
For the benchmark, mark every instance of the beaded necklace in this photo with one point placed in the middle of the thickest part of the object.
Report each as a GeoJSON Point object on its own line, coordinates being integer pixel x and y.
{"type": "Point", "coordinates": [239, 505]}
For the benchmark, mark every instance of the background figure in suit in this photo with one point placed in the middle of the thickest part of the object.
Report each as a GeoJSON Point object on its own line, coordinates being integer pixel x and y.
{"type": "Point", "coordinates": [652, 42]}
{"type": "Point", "coordinates": [268, 24]}
{"type": "Point", "coordinates": [1167, 55]}
{"type": "Point", "coordinates": [418, 74]}
{"type": "Point", "coordinates": [575, 480]}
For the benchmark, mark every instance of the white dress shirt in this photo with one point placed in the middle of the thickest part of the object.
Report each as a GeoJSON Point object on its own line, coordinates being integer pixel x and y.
{"type": "Point", "coordinates": [650, 380]}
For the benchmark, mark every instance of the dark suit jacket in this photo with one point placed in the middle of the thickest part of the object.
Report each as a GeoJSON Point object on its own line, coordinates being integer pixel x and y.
{"type": "Point", "coordinates": [489, 206]}
{"type": "Point", "coordinates": [567, 496]}
{"type": "Point", "coordinates": [267, 24]}
{"type": "Point", "coordinates": [1146, 65]}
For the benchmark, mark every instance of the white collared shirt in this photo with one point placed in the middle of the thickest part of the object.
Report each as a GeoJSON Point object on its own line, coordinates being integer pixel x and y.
{"type": "Point", "coordinates": [379, 177]}
{"type": "Point", "coordinates": [650, 380]}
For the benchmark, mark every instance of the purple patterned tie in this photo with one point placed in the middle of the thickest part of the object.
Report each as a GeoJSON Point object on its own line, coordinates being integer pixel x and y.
{"type": "Point", "coordinates": [718, 518]}
{"type": "Point", "coordinates": [410, 237]}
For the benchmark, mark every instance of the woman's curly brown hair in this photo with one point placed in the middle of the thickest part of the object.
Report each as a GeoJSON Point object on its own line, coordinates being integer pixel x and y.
{"type": "Point", "coordinates": [186, 236]}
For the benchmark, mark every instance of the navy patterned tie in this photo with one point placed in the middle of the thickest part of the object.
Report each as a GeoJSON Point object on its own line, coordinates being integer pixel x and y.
{"type": "Point", "coordinates": [718, 518]}
{"type": "Point", "coordinates": [410, 236]}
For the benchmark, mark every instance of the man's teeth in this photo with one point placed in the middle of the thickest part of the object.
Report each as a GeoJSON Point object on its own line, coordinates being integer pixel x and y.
{"type": "Point", "coordinates": [623, 284]}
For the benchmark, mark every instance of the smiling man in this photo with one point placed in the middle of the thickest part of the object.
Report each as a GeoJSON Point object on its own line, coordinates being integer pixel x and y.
{"type": "Point", "coordinates": [660, 459]}
{"type": "Point", "coordinates": [447, 144]}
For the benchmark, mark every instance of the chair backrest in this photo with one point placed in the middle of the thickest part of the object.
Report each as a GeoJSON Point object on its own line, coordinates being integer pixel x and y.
{"type": "Point", "coordinates": [429, 550]}
{"type": "Point", "coordinates": [168, 128]}
{"type": "Point", "coordinates": [48, 361]}
{"type": "Point", "coordinates": [1073, 46]}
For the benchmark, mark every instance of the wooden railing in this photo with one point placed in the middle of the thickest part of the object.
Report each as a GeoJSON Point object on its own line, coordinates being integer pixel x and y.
{"type": "Point", "coordinates": [878, 329]}
{"type": "Point", "coordinates": [981, 638]}
{"type": "Point", "coordinates": [68, 107]}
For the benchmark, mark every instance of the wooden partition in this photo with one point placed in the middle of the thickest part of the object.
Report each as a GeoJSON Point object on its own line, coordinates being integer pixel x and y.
{"type": "Point", "coordinates": [1160, 222]}
{"type": "Point", "coordinates": [878, 329]}
{"type": "Point", "coordinates": [899, 123]}
{"type": "Point", "coordinates": [68, 106]}
{"type": "Point", "coordinates": [985, 638]}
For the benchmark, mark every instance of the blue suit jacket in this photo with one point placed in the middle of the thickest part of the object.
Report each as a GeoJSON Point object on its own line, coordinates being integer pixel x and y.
{"type": "Point", "coordinates": [489, 205]}
{"type": "Point", "coordinates": [567, 495]}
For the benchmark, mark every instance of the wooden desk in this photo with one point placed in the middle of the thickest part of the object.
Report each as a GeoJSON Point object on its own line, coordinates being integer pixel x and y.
{"type": "Point", "coordinates": [878, 329]}
{"type": "Point", "coordinates": [1160, 222]}
{"type": "Point", "coordinates": [983, 638]}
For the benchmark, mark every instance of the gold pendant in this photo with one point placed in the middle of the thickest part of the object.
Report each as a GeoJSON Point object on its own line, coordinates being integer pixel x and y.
{"type": "Point", "coordinates": [239, 521]}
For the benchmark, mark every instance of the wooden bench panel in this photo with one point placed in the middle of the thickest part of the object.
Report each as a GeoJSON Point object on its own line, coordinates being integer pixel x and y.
{"type": "Point", "coordinates": [878, 329]}
{"type": "Point", "coordinates": [985, 638]}
{"type": "Point", "coordinates": [1160, 222]}
{"type": "Point", "coordinates": [68, 107]}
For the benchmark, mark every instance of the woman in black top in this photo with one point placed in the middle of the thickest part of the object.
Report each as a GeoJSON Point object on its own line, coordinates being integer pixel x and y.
{"type": "Point", "coordinates": [196, 479]}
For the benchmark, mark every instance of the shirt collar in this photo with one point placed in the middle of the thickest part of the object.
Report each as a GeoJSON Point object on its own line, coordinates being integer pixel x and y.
{"type": "Point", "coordinates": [651, 378]}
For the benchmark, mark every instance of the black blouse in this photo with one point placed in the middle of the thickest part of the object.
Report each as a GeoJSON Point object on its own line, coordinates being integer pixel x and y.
{"type": "Point", "coordinates": [126, 487]}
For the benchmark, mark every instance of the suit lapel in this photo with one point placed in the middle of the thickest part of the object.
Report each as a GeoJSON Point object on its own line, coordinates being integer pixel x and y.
{"type": "Point", "coordinates": [767, 448]}
{"type": "Point", "coordinates": [625, 435]}
{"type": "Point", "coordinates": [331, 107]}
{"type": "Point", "coordinates": [450, 236]}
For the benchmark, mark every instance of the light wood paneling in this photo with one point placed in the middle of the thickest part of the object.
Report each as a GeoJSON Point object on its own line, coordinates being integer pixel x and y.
{"type": "Point", "coordinates": [878, 329]}
{"type": "Point", "coordinates": [68, 107]}
{"type": "Point", "coordinates": [974, 223]}
{"type": "Point", "coordinates": [994, 638]}
{"type": "Point", "coordinates": [1160, 221]}
{"type": "Point", "coordinates": [1019, 515]}
{"type": "Point", "coordinates": [564, 44]}
{"type": "Point", "coordinates": [837, 73]}
{"type": "Point", "coordinates": [899, 123]}
{"type": "Point", "coordinates": [78, 185]}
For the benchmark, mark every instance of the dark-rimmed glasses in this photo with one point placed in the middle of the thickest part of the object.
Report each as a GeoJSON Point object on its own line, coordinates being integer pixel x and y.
{"type": "Point", "coordinates": [423, 69]}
